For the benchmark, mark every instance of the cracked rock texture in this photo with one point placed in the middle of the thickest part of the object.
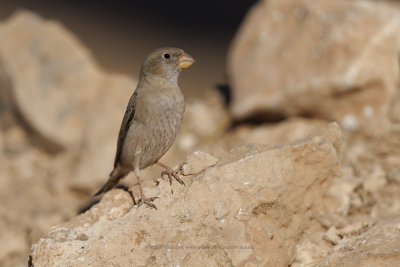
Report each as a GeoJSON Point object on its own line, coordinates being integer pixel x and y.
{"type": "Point", "coordinates": [250, 208]}
{"type": "Point", "coordinates": [197, 162]}
{"type": "Point", "coordinates": [377, 247]}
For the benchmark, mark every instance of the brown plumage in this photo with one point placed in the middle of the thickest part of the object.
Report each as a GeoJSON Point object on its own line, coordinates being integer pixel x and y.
{"type": "Point", "coordinates": [152, 118]}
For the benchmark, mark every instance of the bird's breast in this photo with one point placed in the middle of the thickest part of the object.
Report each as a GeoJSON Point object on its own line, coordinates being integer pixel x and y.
{"type": "Point", "coordinates": [162, 119]}
{"type": "Point", "coordinates": [164, 108]}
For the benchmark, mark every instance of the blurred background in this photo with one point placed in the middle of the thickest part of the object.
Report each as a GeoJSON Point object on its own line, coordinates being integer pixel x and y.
{"type": "Point", "coordinates": [121, 33]}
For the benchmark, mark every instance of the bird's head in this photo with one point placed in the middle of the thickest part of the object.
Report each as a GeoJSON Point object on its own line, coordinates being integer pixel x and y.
{"type": "Point", "coordinates": [164, 65]}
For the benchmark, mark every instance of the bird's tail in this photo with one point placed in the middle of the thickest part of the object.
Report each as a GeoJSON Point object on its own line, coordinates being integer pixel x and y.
{"type": "Point", "coordinates": [116, 175]}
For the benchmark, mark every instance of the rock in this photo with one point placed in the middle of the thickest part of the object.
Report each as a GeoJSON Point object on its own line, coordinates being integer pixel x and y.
{"type": "Point", "coordinates": [306, 253]}
{"type": "Point", "coordinates": [32, 199]}
{"type": "Point", "coordinates": [52, 94]}
{"type": "Point", "coordinates": [5, 101]}
{"type": "Point", "coordinates": [332, 235]}
{"type": "Point", "coordinates": [1, 145]}
{"type": "Point", "coordinates": [265, 196]}
{"type": "Point", "coordinates": [54, 78]}
{"type": "Point", "coordinates": [96, 159]}
{"type": "Point", "coordinates": [15, 139]}
{"type": "Point", "coordinates": [379, 246]}
{"type": "Point", "coordinates": [392, 168]}
{"type": "Point", "coordinates": [375, 181]}
{"type": "Point", "coordinates": [205, 120]}
{"type": "Point", "coordinates": [341, 193]}
{"type": "Point", "coordinates": [287, 132]}
{"type": "Point", "coordinates": [335, 60]}
{"type": "Point", "coordinates": [312, 246]}
{"type": "Point", "coordinates": [63, 96]}
{"type": "Point", "coordinates": [329, 218]}
{"type": "Point", "coordinates": [353, 229]}
{"type": "Point", "coordinates": [197, 162]}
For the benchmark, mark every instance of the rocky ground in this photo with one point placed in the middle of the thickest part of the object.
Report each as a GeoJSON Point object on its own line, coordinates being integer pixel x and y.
{"type": "Point", "coordinates": [301, 169]}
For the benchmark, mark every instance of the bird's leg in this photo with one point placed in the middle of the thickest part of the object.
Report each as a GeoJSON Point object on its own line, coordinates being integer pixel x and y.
{"type": "Point", "coordinates": [143, 198]}
{"type": "Point", "coordinates": [171, 173]}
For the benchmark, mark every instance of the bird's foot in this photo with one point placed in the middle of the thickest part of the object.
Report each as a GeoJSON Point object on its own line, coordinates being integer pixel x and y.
{"type": "Point", "coordinates": [148, 201]}
{"type": "Point", "coordinates": [173, 174]}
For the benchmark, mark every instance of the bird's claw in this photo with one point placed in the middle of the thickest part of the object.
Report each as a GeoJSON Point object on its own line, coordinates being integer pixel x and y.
{"type": "Point", "coordinates": [174, 173]}
{"type": "Point", "coordinates": [148, 201]}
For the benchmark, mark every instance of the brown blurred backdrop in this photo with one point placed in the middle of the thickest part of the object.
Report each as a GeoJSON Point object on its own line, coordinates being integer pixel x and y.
{"type": "Point", "coordinates": [121, 33]}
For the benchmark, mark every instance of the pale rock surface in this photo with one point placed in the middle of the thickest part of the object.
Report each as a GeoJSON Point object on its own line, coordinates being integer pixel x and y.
{"type": "Point", "coordinates": [100, 136]}
{"type": "Point", "coordinates": [340, 194]}
{"type": "Point", "coordinates": [52, 95]}
{"type": "Point", "coordinates": [375, 181]}
{"type": "Point", "coordinates": [353, 229]}
{"type": "Point", "coordinates": [63, 96]}
{"type": "Point", "coordinates": [365, 195]}
{"type": "Point", "coordinates": [379, 246]}
{"type": "Point", "coordinates": [332, 235]}
{"type": "Point", "coordinates": [313, 245]}
{"type": "Point", "coordinates": [336, 60]}
{"type": "Point", "coordinates": [205, 120]}
{"type": "Point", "coordinates": [288, 131]}
{"type": "Point", "coordinates": [52, 91]}
{"type": "Point", "coordinates": [32, 199]}
{"type": "Point", "coordinates": [250, 208]}
{"type": "Point", "coordinates": [198, 161]}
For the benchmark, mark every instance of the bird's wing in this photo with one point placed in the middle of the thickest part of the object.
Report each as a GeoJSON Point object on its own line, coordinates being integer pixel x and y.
{"type": "Point", "coordinates": [126, 123]}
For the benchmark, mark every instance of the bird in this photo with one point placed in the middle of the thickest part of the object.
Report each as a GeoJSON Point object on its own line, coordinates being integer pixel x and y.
{"type": "Point", "coordinates": [152, 119]}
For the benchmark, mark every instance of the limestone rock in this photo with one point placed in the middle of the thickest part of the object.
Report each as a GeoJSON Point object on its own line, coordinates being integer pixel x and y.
{"type": "Point", "coordinates": [287, 132]}
{"type": "Point", "coordinates": [265, 196]}
{"type": "Point", "coordinates": [375, 181]}
{"type": "Point", "coordinates": [197, 162]}
{"type": "Point", "coordinates": [96, 159]}
{"type": "Point", "coordinates": [53, 88]}
{"type": "Point", "coordinates": [341, 193]}
{"type": "Point", "coordinates": [336, 60]}
{"type": "Point", "coordinates": [312, 247]}
{"type": "Point", "coordinates": [54, 78]}
{"type": "Point", "coordinates": [353, 229]}
{"type": "Point", "coordinates": [32, 199]}
{"type": "Point", "coordinates": [204, 120]}
{"type": "Point", "coordinates": [61, 93]}
{"type": "Point", "coordinates": [379, 246]}
{"type": "Point", "coordinates": [332, 235]}
{"type": "Point", "coordinates": [5, 101]}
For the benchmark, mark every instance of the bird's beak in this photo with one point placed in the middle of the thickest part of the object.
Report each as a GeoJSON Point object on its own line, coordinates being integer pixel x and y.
{"type": "Point", "coordinates": [185, 61]}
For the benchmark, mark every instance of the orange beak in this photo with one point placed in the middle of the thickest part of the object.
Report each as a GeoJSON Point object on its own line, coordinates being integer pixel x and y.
{"type": "Point", "coordinates": [185, 61]}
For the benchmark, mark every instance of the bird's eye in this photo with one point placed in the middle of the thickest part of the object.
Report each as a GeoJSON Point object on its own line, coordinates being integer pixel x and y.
{"type": "Point", "coordinates": [166, 55]}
